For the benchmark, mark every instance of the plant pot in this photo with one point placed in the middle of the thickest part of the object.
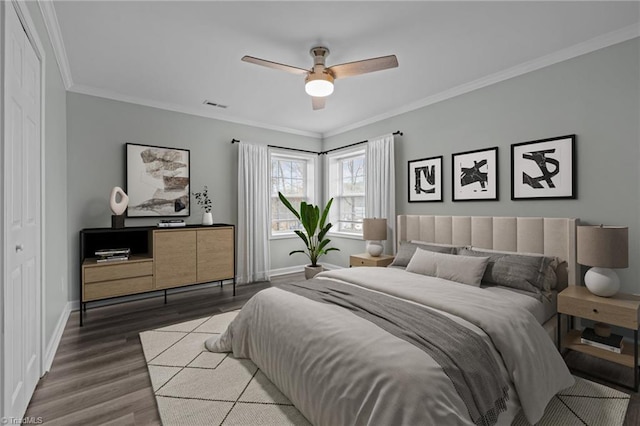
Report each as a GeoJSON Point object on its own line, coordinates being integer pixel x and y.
{"type": "Point", "coordinates": [207, 218]}
{"type": "Point", "coordinates": [312, 271]}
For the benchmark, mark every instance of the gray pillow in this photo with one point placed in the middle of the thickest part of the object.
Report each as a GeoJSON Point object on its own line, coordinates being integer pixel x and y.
{"type": "Point", "coordinates": [528, 273]}
{"type": "Point", "coordinates": [551, 274]}
{"type": "Point", "coordinates": [407, 249]}
{"type": "Point", "coordinates": [463, 269]}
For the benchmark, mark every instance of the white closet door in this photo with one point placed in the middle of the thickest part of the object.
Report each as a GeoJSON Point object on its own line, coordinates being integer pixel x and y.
{"type": "Point", "coordinates": [22, 310]}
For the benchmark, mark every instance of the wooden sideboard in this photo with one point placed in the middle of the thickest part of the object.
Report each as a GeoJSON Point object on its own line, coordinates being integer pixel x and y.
{"type": "Point", "coordinates": [161, 259]}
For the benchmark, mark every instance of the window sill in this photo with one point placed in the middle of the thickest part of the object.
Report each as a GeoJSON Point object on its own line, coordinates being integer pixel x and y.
{"type": "Point", "coordinates": [345, 235]}
{"type": "Point", "coordinates": [283, 237]}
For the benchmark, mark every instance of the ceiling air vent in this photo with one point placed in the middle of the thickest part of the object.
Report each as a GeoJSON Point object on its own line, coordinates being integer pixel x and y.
{"type": "Point", "coordinates": [213, 104]}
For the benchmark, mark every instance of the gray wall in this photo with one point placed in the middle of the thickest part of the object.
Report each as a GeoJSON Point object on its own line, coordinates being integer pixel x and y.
{"type": "Point", "coordinates": [98, 128]}
{"type": "Point", "coordinates": [595, 96]}
{"type": "Point", "coordinates": [55, 276]}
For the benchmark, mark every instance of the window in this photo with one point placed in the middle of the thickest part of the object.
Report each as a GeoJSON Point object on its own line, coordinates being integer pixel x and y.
{"type": "Point", "coordinates": [293, 175]}
{"type": "Point", "coordinates": [347, 176]}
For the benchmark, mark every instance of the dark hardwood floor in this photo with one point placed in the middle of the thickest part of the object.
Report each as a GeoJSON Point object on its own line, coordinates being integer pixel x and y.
{"type": "Point", "coordinates": [99, 375]}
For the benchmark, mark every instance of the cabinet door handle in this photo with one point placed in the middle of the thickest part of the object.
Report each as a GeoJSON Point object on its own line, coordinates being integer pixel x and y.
{"type": "Point", "coordinates": [595, 311]}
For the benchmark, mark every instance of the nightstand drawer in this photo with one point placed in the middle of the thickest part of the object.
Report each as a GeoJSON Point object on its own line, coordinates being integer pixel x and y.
{"type": "Point", "coordinates": [599, 312]}
{"type": "Point", "coordinates": [362, 262]}
{"type": "Point", "coordinates": [366, 260]}
{"type": "Point", "coordinates": [607, 310]}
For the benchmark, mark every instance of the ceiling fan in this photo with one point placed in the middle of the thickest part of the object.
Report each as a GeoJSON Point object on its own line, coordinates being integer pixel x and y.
{"type": "Point", "coordinates": [319, 79]}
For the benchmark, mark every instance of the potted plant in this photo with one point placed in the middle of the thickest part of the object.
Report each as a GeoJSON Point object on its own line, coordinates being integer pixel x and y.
{"type": "Point", "coordinates": [205, 202]}
{"type": "Point", "coordinates": [314, 235]}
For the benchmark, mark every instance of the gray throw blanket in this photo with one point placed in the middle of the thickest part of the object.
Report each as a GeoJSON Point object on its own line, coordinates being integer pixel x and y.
{"type": "Point", "coordinates": [463, 355]}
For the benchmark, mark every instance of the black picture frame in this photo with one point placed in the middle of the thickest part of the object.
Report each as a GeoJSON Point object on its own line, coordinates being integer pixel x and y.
{"type": "Point", "coordinates": [475, 175]}
{"type": "Point", "coordinates": [531, 178]}
{"type": "Point", "coordinates": [157, 181]}
{"type": "Point", "coordinates": [424, 180]}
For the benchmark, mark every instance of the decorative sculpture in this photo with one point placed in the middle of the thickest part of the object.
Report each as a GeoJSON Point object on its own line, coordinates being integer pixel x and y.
{"type": "Point", "coordinates": [118, 207]}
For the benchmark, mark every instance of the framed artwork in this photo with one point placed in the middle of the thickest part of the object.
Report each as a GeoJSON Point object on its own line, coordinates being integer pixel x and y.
{"type": "Point", "coordinates": [425, 180]}
{"type": "Point", "coordinates": [475, 175]}
{"type": "Point", "coordinates": [157, 181]}
{"type": "Point", "coordinates": [544, 169]}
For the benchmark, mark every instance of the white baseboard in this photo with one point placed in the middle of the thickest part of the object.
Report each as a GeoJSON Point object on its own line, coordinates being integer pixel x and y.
{"type": "Point", "coordinates": [52, 347]}
{"type": "Point", "coordinates": [285, 271]}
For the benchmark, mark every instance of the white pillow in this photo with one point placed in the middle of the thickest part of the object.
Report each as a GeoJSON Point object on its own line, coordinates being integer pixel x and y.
{"type": "Point", "coordinates": [463, 269]}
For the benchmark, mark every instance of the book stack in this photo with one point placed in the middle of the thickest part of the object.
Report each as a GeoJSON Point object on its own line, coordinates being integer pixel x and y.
{"type": "Point", "coordinates": [112, 255]}
{"type": "Point", "coordinates": [612, 343]}
{"type": "Point", "coordinates": [171, 223]}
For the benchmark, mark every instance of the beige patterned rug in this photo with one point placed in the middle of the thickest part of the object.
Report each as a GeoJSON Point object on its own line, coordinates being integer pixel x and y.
{"type": "Point", "coordinates": [196, 387]}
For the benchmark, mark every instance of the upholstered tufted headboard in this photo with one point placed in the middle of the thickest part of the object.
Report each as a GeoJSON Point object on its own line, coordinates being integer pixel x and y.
{"type": "Point", "coordinates": [549, 236]}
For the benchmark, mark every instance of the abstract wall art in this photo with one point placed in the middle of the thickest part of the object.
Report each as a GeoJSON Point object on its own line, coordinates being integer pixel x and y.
{"type": "Point", "coordinates": [157, 181]}
{"type": "Point", "coordinates": [544, 169]}
{"type": "Point", "coordinates": [425, 180]}
{"type": "Point", "coordinates": [475, 175]}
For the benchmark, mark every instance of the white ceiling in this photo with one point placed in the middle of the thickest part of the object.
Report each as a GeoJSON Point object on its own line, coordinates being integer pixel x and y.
{"type": "Point", "coordinates": [176, 54]}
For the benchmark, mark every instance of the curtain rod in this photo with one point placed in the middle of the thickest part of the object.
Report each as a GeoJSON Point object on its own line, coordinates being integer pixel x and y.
{"type": "Point", "coordinates": [398, 132]}
{"type": "Point", "coordinates": [284, 147]}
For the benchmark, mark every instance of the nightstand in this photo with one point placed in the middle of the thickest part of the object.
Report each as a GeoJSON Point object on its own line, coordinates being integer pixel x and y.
{"type": "Point", "coordinates": [364, 259]}
{"type": "Point", "coordinates": [621, 310]}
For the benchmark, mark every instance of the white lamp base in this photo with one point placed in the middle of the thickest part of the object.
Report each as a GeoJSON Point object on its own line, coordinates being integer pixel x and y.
{"type": "Point", "coordinates": [602, 281]}
{"type": "Point", "coordinates": [374, 248]}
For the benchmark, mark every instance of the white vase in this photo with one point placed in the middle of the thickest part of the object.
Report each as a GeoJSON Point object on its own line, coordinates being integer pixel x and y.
{"type": "Point", "coordinates": [207, 218]}
{"type": "Point", "coordinates": [312, 271]}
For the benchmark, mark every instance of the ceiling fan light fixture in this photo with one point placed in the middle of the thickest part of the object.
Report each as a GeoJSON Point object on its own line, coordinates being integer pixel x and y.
{"type": "Point", "coordinates": [319, 85]}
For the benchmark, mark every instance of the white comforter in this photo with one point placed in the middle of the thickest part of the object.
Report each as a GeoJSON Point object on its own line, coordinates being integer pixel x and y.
{"type": "Point", "coordinates": [340, 369]}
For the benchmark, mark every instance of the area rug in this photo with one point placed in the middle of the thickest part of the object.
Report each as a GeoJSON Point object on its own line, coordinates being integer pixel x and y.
{"type": "Point", "coordinates": [196, 387]}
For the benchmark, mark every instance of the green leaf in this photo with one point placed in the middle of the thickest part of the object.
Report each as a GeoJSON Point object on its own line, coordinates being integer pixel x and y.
{"type": "Point", "coordinates": [323, 244]}
{"type": "Point", "coordinates": [324, 231]}
{"type": "Point", "coordinates": [331, 249]}
{"type": "Point", "coordinates": [314, 216]}
{"type": "Point", "coordinates": [304, 237]}
{"type": "Point", "coordinates": [288, 205]}
{"type": "Point", "coordinates": [325, 213]}
{"type": "Point", "coordinates": [297, 251]}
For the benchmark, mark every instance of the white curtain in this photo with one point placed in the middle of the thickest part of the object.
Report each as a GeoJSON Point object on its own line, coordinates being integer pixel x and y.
{"type": "Point", "coordinates": [380, 187]}
{"type": "Point", "coordinates": [253, 258]}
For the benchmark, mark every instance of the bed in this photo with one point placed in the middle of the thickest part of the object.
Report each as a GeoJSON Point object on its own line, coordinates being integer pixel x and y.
{"type": "Point", "coordinates": [387, 346]}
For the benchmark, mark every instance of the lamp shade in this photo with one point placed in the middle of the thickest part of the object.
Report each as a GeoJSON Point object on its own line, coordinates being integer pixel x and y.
{"type": "Point", "coordinates": [603, 246]}
{"type": "Point", "coordinates": [374, 229]}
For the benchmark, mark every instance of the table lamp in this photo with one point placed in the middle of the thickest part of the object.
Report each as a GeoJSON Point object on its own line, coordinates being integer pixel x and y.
{"type": "Point", "coordinates": [603, 248]}
{"type": "Point", "coordinates": [374, 231]}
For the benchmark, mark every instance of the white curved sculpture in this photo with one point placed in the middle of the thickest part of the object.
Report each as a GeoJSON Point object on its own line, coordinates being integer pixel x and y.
{"type": "Point", "coordinates": [118, 207]}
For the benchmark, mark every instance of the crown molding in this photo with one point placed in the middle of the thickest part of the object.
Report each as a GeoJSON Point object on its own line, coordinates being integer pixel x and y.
{"type": "Point", "coordinates": [53, 29]}
{"type": "Point", "coordinates": [597, 43]}
{"type": "Point", "coordinates": [102, 93]}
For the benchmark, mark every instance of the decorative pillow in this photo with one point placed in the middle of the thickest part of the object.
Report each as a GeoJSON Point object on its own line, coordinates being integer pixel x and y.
{"type": "Point", "coordinates": [407, 249]}
{"type": "Point", "coordinates": [551, 274]}
{"type": "Point", "coordinates": [462, 269]}
{"type": "Point", "coordinates": [523, 272]}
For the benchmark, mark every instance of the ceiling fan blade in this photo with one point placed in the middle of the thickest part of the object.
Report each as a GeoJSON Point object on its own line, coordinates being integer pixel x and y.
{"type": "Point", "coordinates": [274, 65]}
{"type": "Point", "coordinates": [362, 67]}
{"type": "Point", "coordinates": [317, 103]}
